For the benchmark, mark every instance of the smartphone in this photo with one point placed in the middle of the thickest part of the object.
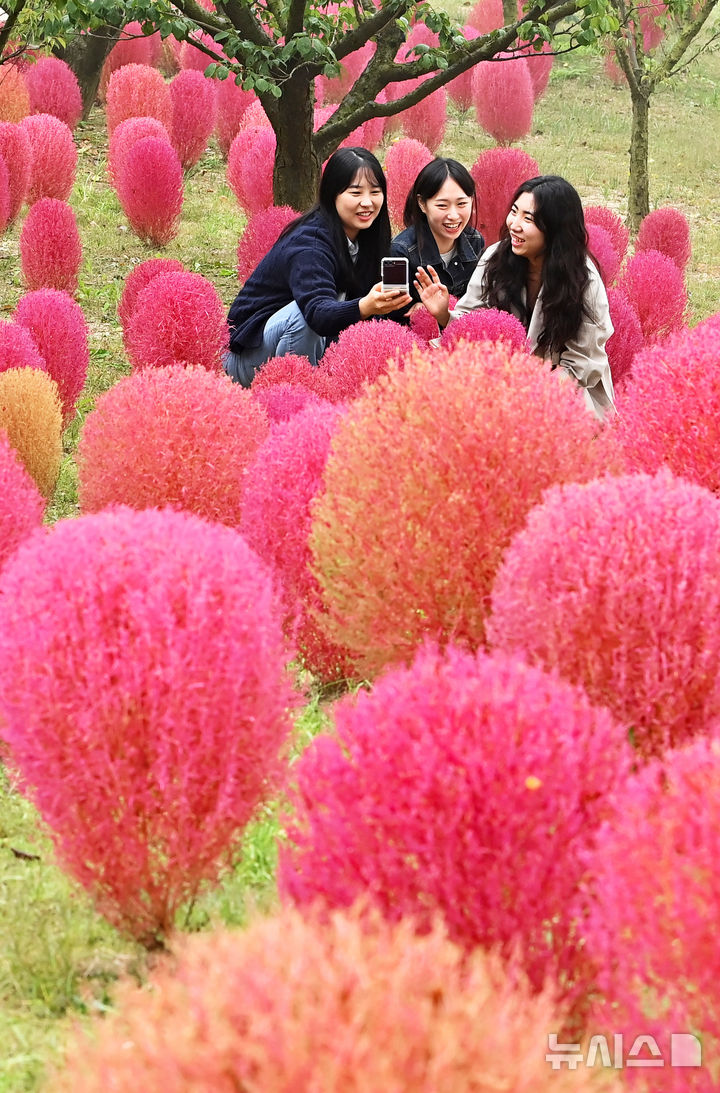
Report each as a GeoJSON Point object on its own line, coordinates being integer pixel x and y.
{"type": "Point", "coordinates": [395, 274]}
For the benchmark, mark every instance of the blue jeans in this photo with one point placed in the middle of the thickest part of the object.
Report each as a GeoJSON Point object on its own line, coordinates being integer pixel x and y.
{"type": "Point", "coordinates": [285, 332]}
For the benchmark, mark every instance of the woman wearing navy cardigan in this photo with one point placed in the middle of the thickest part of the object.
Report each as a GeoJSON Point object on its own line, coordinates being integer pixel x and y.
{"type": "Point", "coordinates": [322, 274]}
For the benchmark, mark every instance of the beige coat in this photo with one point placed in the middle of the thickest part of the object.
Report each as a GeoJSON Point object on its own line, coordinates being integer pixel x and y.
{"type": "Point", "coordinates": [584, 357]}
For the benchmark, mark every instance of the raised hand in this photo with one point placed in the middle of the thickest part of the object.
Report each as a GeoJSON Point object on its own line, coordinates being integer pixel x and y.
{"type": "Point", "coordinates": [433, 294]}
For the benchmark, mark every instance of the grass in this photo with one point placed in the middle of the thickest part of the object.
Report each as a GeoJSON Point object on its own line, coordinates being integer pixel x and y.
{"type": "Point", "coordinates": [58, 960]}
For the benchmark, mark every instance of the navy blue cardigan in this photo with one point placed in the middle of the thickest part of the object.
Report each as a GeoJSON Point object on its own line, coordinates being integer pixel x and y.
{"type": "Point", "coordinates": [302, 266]}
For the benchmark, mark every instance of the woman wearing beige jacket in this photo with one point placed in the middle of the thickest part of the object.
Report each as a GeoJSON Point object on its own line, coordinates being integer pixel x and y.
{"type": "Point", "coordinates": [541, 272]}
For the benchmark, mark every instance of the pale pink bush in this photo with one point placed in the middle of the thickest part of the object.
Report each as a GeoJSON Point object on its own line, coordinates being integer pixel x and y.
{"type": "Point", "coordinates": [54, 89]}
{"type": "Point", "coordinates": [261, 233]}
{"type": "Point", "coordinates": [232, 103]}
{"type": "Point", "coordinates": [135, 91]}
{"type": "Point", "coordinates": [347, 1005]}
{"type": "Point", "coordinates": [50, 247]}
{"type": "Point", "coordinates": [182, 437]}
{"type": "Point", "coordinates": [603, 251]}
{"type": "Point", "coordinates": [178, 318]}
{"type": "Point", "coordinates": [144, 699]}
{"type": "Point", "coordinates": [486, 325]}
{"type": "Point", "coordinates": [666, 230]}
{"type": "Point", "coordinates": [250, 168]}
{"type": "Point", "coordinates": [609, 220]}
{"type": "Point", "coordinates": [460, 89]}
{"type": "Point", "coordinates": [355, 139]}
{"type": "Point", "coordinates": [282, 483]}
{"type": "Point", "coordinates": [461, 443]}
{"type": "Point", "coordinates": [58, 327]}
{"type": "Point", "coordinates": [125, 135]}
{"type": "Point", "coordinates": [427, 119]}
{"type": "Point", "coordinates": [630, 612]}
{"type": "Point", "coordinates": [133, 47]}
{"type": "Point", "coordinates": [15, 150]}
{"type": "Point", "coordinates": [539, 64]}
{"type": "Point", "coordinates": [192, 58]}
{"type": "Point", "coordinates": [656, 289]}
{"type": "Point", "coordinates": [503, 97]}
{"type": "Point", "coordinates": [374, 128]}
{"type": "Point", "coordinates": [281, 401]}
{"type": "Point", "coordinates": [627, 339]}
{"type": "Point", "coordinates": [333, 89]}
{"type": "Point", "coordinates": [21, 505]}
{"type": "Point", "coordinates": [136, 281]}
{"type": "Point", "coordinates": [14, 95]}
{"type": "Point", "coordinates": [18, 348]}
{"type": "Point", "coordinates": [254, 116]}
{"type": "Point", "coordinates": [362, 353]}
{"type": "Point", "coordinates": [150, 189]}
{"type": "Point", "coordinates": [465, 786]}
{"type": "Point", "coordinates": [487, 15]}
{"type": "Point", "coordinates": [193, 114]}
{"type": "Point", "coordinates": [53, 157]}
{"type": "Point", "coordinates": [403, 162]}
{"type": "Point", "coordinates": [497, 173]}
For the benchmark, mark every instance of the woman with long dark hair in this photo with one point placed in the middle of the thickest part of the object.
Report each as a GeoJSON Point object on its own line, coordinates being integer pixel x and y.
{"type": "Point", "coordinates": [321, 275]}
{"type": "Point", "coordinates": [541, 272]}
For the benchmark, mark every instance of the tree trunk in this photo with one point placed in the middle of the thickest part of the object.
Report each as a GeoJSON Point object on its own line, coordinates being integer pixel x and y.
{"type": "Point", "coordinates": [297, 170]}
{"type": "Point", "coordinates": [86, 53]}
{"type": "Point", "coordinates": [639, 182]}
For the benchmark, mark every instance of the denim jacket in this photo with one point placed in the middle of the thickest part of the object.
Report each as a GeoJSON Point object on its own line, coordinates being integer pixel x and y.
{"type": "Point", "coordinates": [419, 247]}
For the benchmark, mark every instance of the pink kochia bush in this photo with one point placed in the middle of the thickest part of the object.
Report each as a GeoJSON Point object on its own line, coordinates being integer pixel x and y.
{"type": "Point", "coordinates": [232, 102]}
{"type": "Point", "coordinates": [667, 230]}
{"type": "Point", "coordinates": [281, 401]}
{"type": "Point", "coordinates": [18, 348]}
{"type": "Point", "coordinates": [497, 173]}
{"type": "Point", "coordinates": [293, 1004]}
{"type": "Point", "coordinates": [627, 339]}
{"type": "Point", "coordinates": [432, 471]}
{"type": "Point", "coordinates": [4, 195]}
{"type": "Point", "coordinates": [486, 325]}
{"type": "Point", "coordinates": [289, 369]}
{"type": "Point", "coordinates": [651, 912]}
{"type": "Point", "coordinates": [53, 157]}
{"type": "Point", "coordinates": [503, 97]}
{"type": "Point", "coordinates": [403, 162]}
{"type": "Point", "coordinates": [261, 232]}
{"type": "Point", "coordinates": [58, 327]}
{"type": "Point", "coordinates": [610, 221]}
{"type": "Point", "coordinates": [193, 114]}
{"type": "Point", "coordinates": [144, 701]}
{"type": "Point", "coordinates": [467, 786]}
{"type": "Point", "coordinates": [54, 89]}
{"type": "Point", "coordinates": [137, 280]}
{"type": "Point", "coordinates": [133, 47]}
{"type": "Point", "coordinates": [182, 437]}
{"type": "Point", "coordinates": [15, 150]}
{"type": "Point", "coordinates": [427, 119]}
{"type": "Point", "coordinates": [125, 135]}
{"type": "Point", "coordinates": [150, 189]}
{"type": "Point", "coordinates": [655, 287]}
{"type": "Point", "coordinates": [136, 90]}
{"type": "Point", "coordinates": [281, 485]}
{"type": "Point", "coordinates": [21, 505]}
{"type": "Point", "coordinates": [670, 410]}
{"type": "Point", "coordinates": [178, 318]}
{"type": "Point", "coordinates": [250, 168]}
{"type": "Point", "coordinates": [603, 252]}
{"type": "Point", "coordinates": [361, 353]}
{"type": "Point", "coordinates": [630, 612]}
{"type": "Point", "coordinates": [50, 247]}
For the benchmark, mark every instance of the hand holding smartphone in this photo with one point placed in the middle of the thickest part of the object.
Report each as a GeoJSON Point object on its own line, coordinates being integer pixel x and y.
{"type": "Point", "coordinates": [395, 275]}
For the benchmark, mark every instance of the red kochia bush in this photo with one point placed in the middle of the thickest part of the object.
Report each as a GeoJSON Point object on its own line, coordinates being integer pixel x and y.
{"type": "Point", "coordinates": [613, 225]}
{"type": "Point", "coordinates": [287, 369]}
{"type": "Point", "coordinates": [144, 700]}
{"type": "Point", "coordinates": [136, 90]}
{"type": "Point", "coordinates": [4, 195]}
{"type": "Point", "coordinates": [150, 188]}
{"type": "Point", "coordinates": [403, 162]}
{"type": "Point", "coordinates": [630, 612]}
{"type": "Point", "coordinates": [426, 120]}
{"type": "Point", "coordinates": [53, 157]}
{"type": "Point", "coordinates": [497, 173]}
{"type": "Point", "coordinates": [603, 252]}
{"type": "Point", "coordinates": [250, 168]}
{"type": "Point", "coordinates": [261, 232]}
{"type": "Point", "coordinates": [58, 326]}
{"type": "Point", "coordinates": [133, 47]}
{"type": "Point", "coordinates": [172, 436]}
{"type": "Point", "coordinates": [136, 281]}
{"type": "Point", "coordinates": [503, 97]}
{"type": "Point", "coordinates": [50, 247]}
{"type": "Point", "coordinates": [486, 325]}
{"type": "Point", "coordinates": [654, 902]}
{"type": "Point", "coordinates": [460, 89]}
{"type": "Point", "coordinates": [125, 135]}
{"type": "Point", "coordinates": [656, 289]}
{"type": "Point", "coordinates": [193, 114]}
{"type": "Point", "coordinates": [18, 348]}
{"type": "Point", "coordinates": [627, 339]}
{"type": "Point", "coordinates": [54, 89]}
{"type": "Point", "coordinates": [432, 471]}
{"type": "Point", "coordinates": [179, 318]}
{"type": "Point", "coordinates": [290, 1004]}
{"type": "Point", "coordinates": [281, 401]}
{"type": "Point", "coordinates": [668, 231]}
{"type": "Point", "coordinates": [15, 150]}
{"type": "Point", "coordinates": [281, 485]}
{"type": "Point", "coordinates": [232, 103]}
{"type": "Point", "coordinates": [486, 15]}
{"type": "Point", "coordinates": [361, 353]}
{"type": "Point", "coordinates": [670, 410]}
{"type": "Point", "coordinates": [21, 505]}
{"type": "Point", "coordinates": [465, 785]}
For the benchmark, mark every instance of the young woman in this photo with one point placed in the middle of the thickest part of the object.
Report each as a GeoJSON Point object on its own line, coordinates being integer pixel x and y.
{"type": "Point", "coordinates": [321, 275]}
{"type": "Point", "coordinates": [542, 273]}
{"type": "Point", "coordinates": [439, 231]}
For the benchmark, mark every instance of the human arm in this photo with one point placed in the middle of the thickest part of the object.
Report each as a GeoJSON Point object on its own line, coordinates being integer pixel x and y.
{"type": "Point", "coordinates": [585, 356]}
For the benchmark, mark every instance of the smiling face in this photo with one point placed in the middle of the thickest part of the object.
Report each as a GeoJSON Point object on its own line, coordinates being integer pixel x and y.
{"type": "Point", "coordinates": [525, 236]}
{"type": "Point", "coordinates": [447, 213]}
{"type": "Point", "coordinates": [359, 205]}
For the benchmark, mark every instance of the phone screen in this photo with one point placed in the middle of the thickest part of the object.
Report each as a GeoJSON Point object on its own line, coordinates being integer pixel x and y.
{"type": "Point", "coordinates": [394, 272]}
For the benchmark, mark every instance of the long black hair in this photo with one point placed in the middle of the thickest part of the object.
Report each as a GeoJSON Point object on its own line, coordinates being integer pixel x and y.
{"type": "Point", "coordinates": [559, 216]}
{"type": "Point", "coordinates": [431, 179]}
{"type": "Point", "coordinates": [340, 171]}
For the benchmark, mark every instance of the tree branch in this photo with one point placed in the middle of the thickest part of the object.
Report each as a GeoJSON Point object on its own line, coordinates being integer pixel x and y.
{"type": "Point", "coordinates": [296, 18]}
{"type": "Point", "coordinates": [683, 42]}
{"type": "Point", "coordinates": [238, 13]}
{"type": "Point", "coordinates": [12, 18]}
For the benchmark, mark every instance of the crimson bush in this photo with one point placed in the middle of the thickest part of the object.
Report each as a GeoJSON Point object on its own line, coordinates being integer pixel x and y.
{"type": "Point", "coordinates": [602, 249]}
{"type": "Point", "coordinates": [21, 506]}
{"type": "Point", "coordinates": [50, 247]}
{"type": "Point", "coordinates": [58, 327]}
{"type": "Point", "coordinates": [497, 173]}
{"type": "Point", "coordinates": [486, 325]}
{"type": "Point", "coordinates": [232, 103]}
{"type": "Point", "coordinates": [403, 163]}
{"type": "Point", "coordinates": [137, 90]}
{"type": "Point", "coordinates": [150, 188]}
{"type": "Point", "coordinates": [194, 110]}
{"type": "Point", "coordinates": [504, 98]}
{"type": "Point", "coordinates": [427, 119]}
{"type": "Point", "coordinates": [666, 230]}
{"type": "Point", "coordinates": [281, 401]}
{"type": "Point", "coordinates": [53, 156]}
{"type": "Point", "coordinates": [627, 339]}
{"type": "Point", "coordinates": [15, 150]}
{"type": "Point", "coordinates": [613, 225]}
{"type": "Point", "coordinates": [125, 135]}
{"type": "Point", "coordinates": [136, 281]}
{"type": "Point", "coordinates": [133, 47]}
{"type": "Point", "coordinates": [54, 89]}
{"type": "Point", "coordinates": [18, 348]}
{"type": "Point", "coordinates": [179, 318]}
{"type": "Point", "coordinates": [361, 353]}
{"type": "Point", "coordinates": [260, 234]}
{"type": "Point", "coordinates": [656, 289]}
{"type": "Point", "coordinates": [250, 168]}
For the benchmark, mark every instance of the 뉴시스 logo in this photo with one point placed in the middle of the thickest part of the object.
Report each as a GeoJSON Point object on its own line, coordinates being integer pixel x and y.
{"type": "Point", "coordinates": [683, 1049]}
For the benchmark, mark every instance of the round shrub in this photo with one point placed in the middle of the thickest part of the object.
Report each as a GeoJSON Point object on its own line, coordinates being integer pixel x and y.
{"type": "Point", "coordinates": [18, 348]}
{"type": "Point", "coordinates": [497, 173]}
{"type": "Point", "coordinates": [609, 220]}
{"type": "Point", "coordinates": [539, 64]}
{"type": "Point", "coordinates": [250, 168]}
{"type": "Point", "coordinates": [292, 1004]}
{"type": "Point", "coordinates": [432, 471]}
{"type": "Point", "coordinates": [460, 89]}
{"type": "Point", "coordinates": [125, 135]}
{"type": "Point", "coordinates": [426, 120]}
{"type": "Point", "coordinates": [627, 339]}
{"type": "Point", "coordinates": [656, 289]}
{"type": "Point", "coordinates": [31, 415]}
{"type": "Point", "coordinates": [603, 251]}
{"type": "Point", "coordinates": [666, 230]}
{"type": "Point", "coordinates": [137, 279]}
{"type": "Point", "coordinates": [630, 610]}
{"type": "Point", "coordinates": [403, 162]}
{"type": "Point", "coordinates": [53, 157]}
{"type": "Point", "coordinates": [54, 89]}
{"type": "Point", "coordinates": [58, 327]}
{"type": "Point", "coordinates": [14, 95]}
{"type": "Point", "coordinates": [486, 16]}
{"type": "Point", "coordinates": [50, 247]}
{"type": "Point", "coordinates": [486, 325]}
{"type": "Point", "coordinates": [465, 786]}
{"type": "Point", "coordinates": [282, 484]}
{"type": "Point", "coordinates": [15, 150]}
{"type": "Point", "coordinates": [144, 700]}
{"type": "Point", "coordinates": [288, 369]}
{"type": "Point", "coordinates": [150, 189]}
{"type": "Point", "coordinates": [4, 195]}
{"type": "Point", "coordinates": [192, 58]}
{"type": "Point", "coordinates": [193, 114]}
{"type": "Point", "coordinates": [21, 506]}
{"type": "Point", "coordinates": [232, 103]}
{"type": "Point", "coordinates": [362, 353]}
{"type": "Point", "coordinates": [281, 401]}
{"type": "Point", "coordinates": [179, 318]}
{"type": "Point", "coordinates": [670, 410]}
{"type": "Point", "coordinates": [261, 233]}
{"type": "Point", "coordinates": [135, 91]}
{"type": "Point", "coordinates": [503, 97]}
{"type": "Point", "coordinates": [133, 47]}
